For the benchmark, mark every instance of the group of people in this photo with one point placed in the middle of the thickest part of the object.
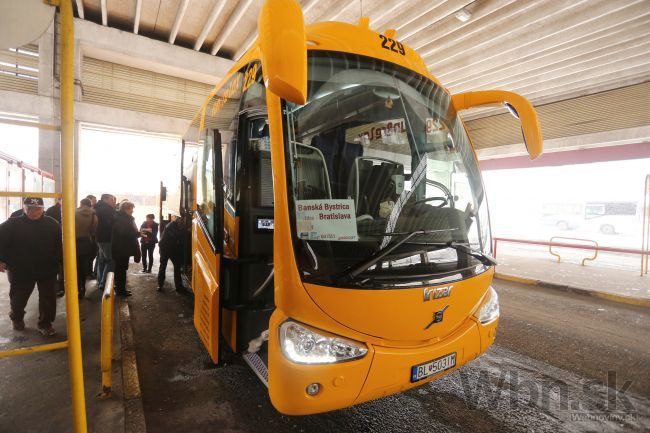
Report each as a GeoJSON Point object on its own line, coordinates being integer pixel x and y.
{"type": "Point", "coordinates": [31, 251]}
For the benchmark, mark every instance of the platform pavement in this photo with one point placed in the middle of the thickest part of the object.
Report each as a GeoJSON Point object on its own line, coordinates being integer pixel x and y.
{"type": "Point", "coordinates": [35, 388]}
{"type": "Point", "coordinates": [617, 283]}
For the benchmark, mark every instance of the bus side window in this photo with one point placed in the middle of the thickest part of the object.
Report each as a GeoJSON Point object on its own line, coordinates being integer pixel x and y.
{"type": "Point", "coordinates": [219, 133]}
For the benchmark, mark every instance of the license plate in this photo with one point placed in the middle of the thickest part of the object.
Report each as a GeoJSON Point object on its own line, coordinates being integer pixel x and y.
{"type": "Point", "coordinates": [421, 371]}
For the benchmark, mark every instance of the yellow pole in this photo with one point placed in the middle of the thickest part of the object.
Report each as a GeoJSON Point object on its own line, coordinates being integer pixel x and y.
{"type": "Point", "coordinates": [68, 206]}
{"type": "Point", "coordinates": [33, 349]}
{"type": "Point", "coordinates": [108, 306]}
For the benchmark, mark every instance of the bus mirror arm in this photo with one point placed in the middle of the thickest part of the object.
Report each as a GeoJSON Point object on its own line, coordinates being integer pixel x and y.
{"type": "Point", "coordinates": [283, 49]}
{"type": "Point", "coordinates": [519, 106]}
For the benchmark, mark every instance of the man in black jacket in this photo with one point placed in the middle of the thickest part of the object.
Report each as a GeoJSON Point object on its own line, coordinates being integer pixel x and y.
{"type": "Point", "coordinates": [31, 252]}
{"type": "Point", "coordinates": [55, 212]}
{"type": "Point", "coordinates": [124, 244]}
{"type": "Point", "coordinates": [105, 210]}
{"type": "Point", "coordinates": [171, 248]}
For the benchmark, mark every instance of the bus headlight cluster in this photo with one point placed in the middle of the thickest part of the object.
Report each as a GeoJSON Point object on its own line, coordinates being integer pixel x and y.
{"type": "Point", "coordinates": [304, 345]}
{"type": "Point", "coordinates": [489, 311]}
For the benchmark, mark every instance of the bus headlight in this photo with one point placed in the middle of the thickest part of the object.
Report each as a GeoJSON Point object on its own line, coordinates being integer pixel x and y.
{"type": "Point", "coordinates": [304, 345]}
{"type": "Point", "coordinates": [489, 311]}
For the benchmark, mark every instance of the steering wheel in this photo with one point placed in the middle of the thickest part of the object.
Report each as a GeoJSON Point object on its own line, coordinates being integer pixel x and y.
{"type": "Point", "coordinates": [443, 199]}
{"type": "Point", "coordinates": [448, 199]}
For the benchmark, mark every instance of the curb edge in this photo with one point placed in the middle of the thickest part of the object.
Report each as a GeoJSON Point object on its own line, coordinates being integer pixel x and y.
{"type": "Point", "coordinates": [621, 299]}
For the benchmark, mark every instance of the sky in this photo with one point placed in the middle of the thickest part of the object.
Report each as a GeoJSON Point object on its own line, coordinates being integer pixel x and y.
{"type": "Point", "coordinates": [516, 198]}
{"type": "Point", "coordinates": [126, 163]}
{"type": "Point", "coordinates": [129, 165]}
{"type": "Point", "coordinates": [20, 142]}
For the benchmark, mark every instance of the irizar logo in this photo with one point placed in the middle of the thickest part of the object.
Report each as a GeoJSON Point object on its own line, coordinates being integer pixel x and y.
{"type": "Point", "coordinates": [437, 317]}
{"type": "Point", "coordinates": [437, 293]}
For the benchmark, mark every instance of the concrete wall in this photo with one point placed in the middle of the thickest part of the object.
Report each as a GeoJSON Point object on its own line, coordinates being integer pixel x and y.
{"type": "Point", "coordinates": [116, 46]}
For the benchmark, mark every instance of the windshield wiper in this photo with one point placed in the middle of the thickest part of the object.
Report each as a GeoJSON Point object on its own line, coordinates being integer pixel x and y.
{"type": "Point", "coordinates": [486, 259]}
{"type": "Point", "coordinates": [355, 270]}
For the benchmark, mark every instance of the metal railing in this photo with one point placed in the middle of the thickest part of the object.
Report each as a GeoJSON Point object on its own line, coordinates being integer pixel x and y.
{"type": "Point", "coordinates": [108, 316]}
{"type": "Point", "coordinates": [644, 252]}
{"type": "Point", "coordinates": [550, 248]}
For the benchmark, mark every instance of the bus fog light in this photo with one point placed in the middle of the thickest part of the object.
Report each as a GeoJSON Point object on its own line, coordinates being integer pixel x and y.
{"type": "Point", "coordinates": [313, 389]}
{"type": "Point", "coordinates": [489, 311]}
{"type": "Point", "coordinates": [304, 345]}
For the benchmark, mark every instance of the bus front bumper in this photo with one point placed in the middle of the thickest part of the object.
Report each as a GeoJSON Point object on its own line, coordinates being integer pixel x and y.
{"type": "Point", "coordinates": [382, 372]}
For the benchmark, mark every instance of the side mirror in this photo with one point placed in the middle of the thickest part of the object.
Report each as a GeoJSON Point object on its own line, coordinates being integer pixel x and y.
{"type": "Point", "coordinates": [519, 106]}
{"type": "Point", "coordinates": [283, 46]}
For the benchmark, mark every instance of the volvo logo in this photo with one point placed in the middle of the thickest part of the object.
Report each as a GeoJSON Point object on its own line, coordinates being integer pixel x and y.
{"type": "Point", "coordinates": [437, 293]}
{"type": "Point", "coordinates": [437, 317]}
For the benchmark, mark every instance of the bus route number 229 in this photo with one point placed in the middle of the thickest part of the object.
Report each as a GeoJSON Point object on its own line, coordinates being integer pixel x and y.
{"type": "Point", "coordinates": [392, 45]}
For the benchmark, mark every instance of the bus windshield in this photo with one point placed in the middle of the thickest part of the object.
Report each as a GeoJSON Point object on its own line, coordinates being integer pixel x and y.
{"type": "Point", "coordinates": [384, 186]}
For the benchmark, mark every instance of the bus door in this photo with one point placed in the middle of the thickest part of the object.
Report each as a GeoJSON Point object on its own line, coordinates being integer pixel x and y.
{"type": "Point", "coordinates": [207, 243]}
{"type": "Point", "coordinates": [187, 203]}
{"type": "Point", "coordinates": [247, 274]}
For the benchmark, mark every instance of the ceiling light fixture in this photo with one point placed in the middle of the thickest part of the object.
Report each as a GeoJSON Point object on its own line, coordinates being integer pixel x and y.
{"type": "Point", "coordinates": [463, 15]}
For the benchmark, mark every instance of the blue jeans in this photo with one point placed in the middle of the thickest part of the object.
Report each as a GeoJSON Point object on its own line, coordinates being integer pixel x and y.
{"type": "Point", "coordinates": [105, 263]}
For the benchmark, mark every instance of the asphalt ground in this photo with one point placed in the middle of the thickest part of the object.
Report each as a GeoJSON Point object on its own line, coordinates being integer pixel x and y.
{"type": "Point", "coordinates": [561, 363]}
{"type": "Point", "coordinates": [35, 388]}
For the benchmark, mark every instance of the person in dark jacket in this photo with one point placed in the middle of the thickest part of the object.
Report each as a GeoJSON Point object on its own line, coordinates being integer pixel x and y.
{"type": "Point", "coordinates": [148, 241]}
{"type": "Point", "coordinates": [105, 210]}
{"type": "Point", "coordinates": [55, 212]}
{"type": "Point", "coordinates": [93, 268]}
{"type": "Point", "coordinates": [171, 247]}
{"type": "Point", "coordinates": [85, 222]}
{"type": "Point", "coordinates": [31, 251]}
{"type": "Point", "coordinates": [93, 200]}
{"type": "Point", "coordinates": [124, 244]}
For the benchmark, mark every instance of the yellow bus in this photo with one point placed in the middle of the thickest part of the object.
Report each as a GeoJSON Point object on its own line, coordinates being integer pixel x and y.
{"type": "Point", "coordinates": [340, 232]}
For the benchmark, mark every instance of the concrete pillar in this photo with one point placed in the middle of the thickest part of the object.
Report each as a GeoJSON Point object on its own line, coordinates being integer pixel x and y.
{"type": "Point", "coordinates": [49, 141]}
{"type": "Point", "coordinates": [49, 145]}
{"type": "Point", "coordinates": [77, 130]}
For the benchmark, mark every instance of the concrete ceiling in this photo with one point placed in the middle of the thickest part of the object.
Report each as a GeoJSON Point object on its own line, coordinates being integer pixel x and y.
{"type": "Point", "coordinates": [547, 50]}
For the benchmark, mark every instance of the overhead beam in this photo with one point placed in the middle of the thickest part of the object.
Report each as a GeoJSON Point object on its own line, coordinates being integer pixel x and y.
{"type": "Point", "coordinates": [428, 13]}
{"type": "Point", "coordinates": [245, 46]}
{"type": "Point", "coordinates": [234, 19]}
{"type": "Point", "coordinates": [136, 20]}
{"type": "Point", "coordinates": [306, 7]}
{"type": "Point", "coordinates": [341, 11]}
{"type": "Point", "coordinates": [618, 137]}
{"type": "Point", "coordinates": [444, 27]}
{"type": "Point", "coordinates": [182, 8]}
{"type": "Point", "coordinates": [104, 13]}
{"type": "Point", "coordinates": [587, 79]}
{"type": "Point", "coordinates": [212, 18]}
{"type": "Point", "coordinates": [503, 19]}
{"type": "Point", "coordinates": [80, 8]}
{"type": "Point", "coordinates": [429, 18]}
{"type": "Point", "coordinates": [530, 60]}
{"type": "Point", "coordinates": [618, 55]}
{"type": "Point", "coordinates": [559, 157]}
{"type": "Point", "coordinates": [125, 48]}
{"type": "Point", "coordinates": [592, 19]}
{"type": "Point", "coordinates": [387, 13]}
